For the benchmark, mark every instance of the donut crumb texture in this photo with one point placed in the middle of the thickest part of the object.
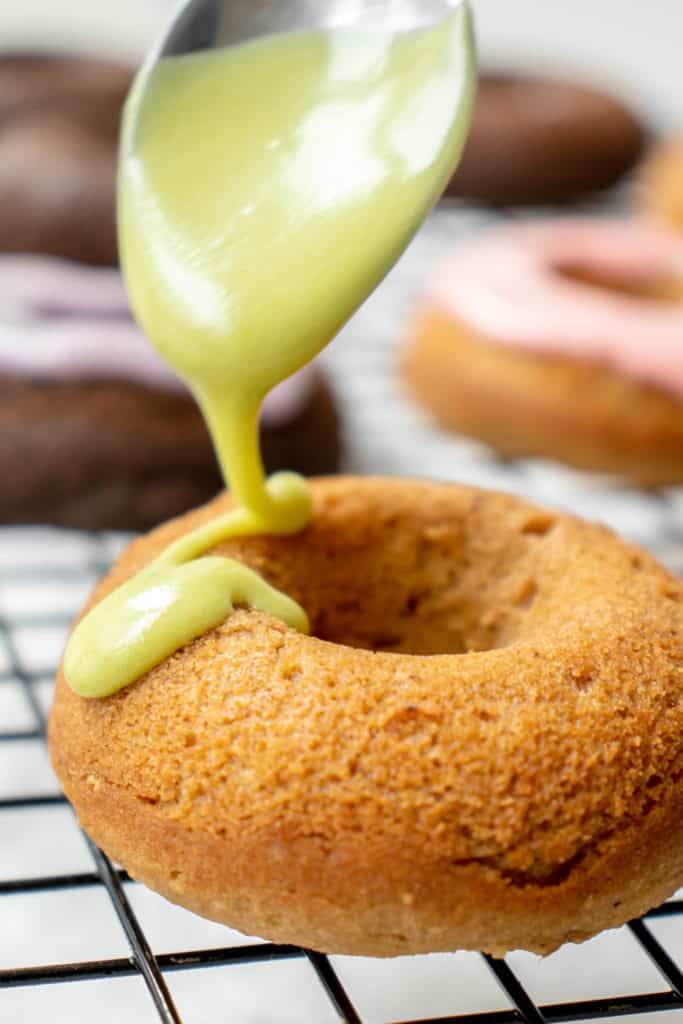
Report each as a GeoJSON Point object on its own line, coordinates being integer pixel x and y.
{"type": "Point", "coordinates": [480, 747]}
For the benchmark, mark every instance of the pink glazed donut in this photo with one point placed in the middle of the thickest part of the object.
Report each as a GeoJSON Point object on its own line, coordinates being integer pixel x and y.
{"type": "Point", "coordinates": [560, 338]}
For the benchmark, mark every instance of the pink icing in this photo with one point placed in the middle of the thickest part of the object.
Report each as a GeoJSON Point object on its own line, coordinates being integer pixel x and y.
{"type": "Point", "coordinates": [508, 286]}
{"type": "Point", "coordinates": [66, 321]}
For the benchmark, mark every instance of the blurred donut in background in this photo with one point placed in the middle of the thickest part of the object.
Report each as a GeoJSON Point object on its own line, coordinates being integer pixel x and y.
{"type": "Point", "coordinates": [27, 80]}
{"type": "Point", "coordinates": [660, 183]}
{"type": "Point", "coordinates": [537, 140]}
{"type": "Point", "coordinates": [560, 338]}
{"type": "Point", "coordinates": [94, 432]}
{"type": "Point", "coordinates": [59, 127]}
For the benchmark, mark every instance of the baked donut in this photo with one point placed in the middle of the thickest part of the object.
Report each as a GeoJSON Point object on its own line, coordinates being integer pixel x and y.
{"type": "Point", "coordinates": [59, 125]}
{"type": "Point", "coordinates": [661, 184]}
{"type": "Point", "coordinates": [537, 140]}
{"type": "Point", "coordinates": [28, 80]}
{"type": "Point", "coordinates": [480, 746]}
{"type": "Point", "coordinates": [561, 339]}
{"type": "Point", "coordinates": [95, 432]}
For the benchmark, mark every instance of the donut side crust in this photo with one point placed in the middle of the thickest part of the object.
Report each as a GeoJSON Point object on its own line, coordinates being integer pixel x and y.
{"type": "Point", "coordinates": [660, 184]}
{"type": "Point", "coordinates": [111, 454]}
{"type": "Point", "coordinates": [525, 404]}
{"type": "Point", "coordinates": [293, 889]}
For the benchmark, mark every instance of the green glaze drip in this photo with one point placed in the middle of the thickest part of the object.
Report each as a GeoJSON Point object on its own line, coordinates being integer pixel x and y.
{"type": "Point", "coordinates": [177, 598]}
{"type": "Point", "coordinates": [264, 192]}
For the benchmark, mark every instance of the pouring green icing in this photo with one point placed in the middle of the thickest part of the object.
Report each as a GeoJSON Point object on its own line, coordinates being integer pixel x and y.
{"type": "Point", "coordinates": [264, 191]}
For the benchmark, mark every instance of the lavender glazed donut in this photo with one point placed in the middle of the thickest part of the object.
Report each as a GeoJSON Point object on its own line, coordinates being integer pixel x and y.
{"type": "Point", "coordinates": [560, 338]}
{"type": "Point", "coordinates": [95, 432]}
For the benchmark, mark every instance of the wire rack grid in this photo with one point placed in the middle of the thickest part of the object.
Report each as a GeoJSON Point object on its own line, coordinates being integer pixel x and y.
{"type": "Point", "coordinates": [20, 633]}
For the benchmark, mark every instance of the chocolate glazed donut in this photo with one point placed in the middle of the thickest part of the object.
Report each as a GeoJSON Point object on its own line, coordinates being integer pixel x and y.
{"type": "Point", "coordinates": [538, 140]}
{"type": "Point", "coordinates": [110, 454]}
{"type": "Point", "coordinates": [59, 125]}
{"type": "Point", "coordinates": [30, 79]}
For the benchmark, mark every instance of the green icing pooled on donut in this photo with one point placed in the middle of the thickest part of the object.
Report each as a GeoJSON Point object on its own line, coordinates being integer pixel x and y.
{"type": "Point", "coordinates": [178, 597]}
{"type": "Point", "coordinates": [265, 190]}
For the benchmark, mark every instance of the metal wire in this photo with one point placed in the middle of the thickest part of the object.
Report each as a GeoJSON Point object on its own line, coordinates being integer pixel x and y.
{"type": "Point", "coordinates": [152, 968]}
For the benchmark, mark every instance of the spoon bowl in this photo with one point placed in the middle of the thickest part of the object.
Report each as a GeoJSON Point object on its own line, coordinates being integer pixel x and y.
{"type": "Point", "coordinates": [209, 24]}
{"type": "Point", "coordinates": [260, 207]}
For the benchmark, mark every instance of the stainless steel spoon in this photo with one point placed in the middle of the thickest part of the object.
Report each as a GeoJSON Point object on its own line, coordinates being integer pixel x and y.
{"type": "Point", "coordinates": [209, 24]}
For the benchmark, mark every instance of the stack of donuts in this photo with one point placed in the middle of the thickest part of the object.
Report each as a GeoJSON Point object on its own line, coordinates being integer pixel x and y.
{"type": "Point", "coordinates": [563, 337]}
{"type": "Point", "coordinates": [86, 406]}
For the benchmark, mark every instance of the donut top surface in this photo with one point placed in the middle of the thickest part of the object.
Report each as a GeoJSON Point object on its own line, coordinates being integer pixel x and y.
{"type": "Point", "coordinates": [247, 239]}
{"type": "Point", "coordinates": [609, 292]}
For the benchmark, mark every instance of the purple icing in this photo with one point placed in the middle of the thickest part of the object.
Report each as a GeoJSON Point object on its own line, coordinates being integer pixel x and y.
{"type": "Point", "coordinates": [66, 321]}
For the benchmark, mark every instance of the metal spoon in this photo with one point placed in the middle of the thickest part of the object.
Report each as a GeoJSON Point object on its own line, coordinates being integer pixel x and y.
{"type": "Point", "coordinates": [410, 146]}
{"type": "Point", "coordinates": [210, 24]}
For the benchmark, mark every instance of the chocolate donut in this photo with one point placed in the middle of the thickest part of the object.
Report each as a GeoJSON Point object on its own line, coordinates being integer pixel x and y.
{"type": "Point", "coordinates": [29, 80]}
{"type": "Point", "coordinates": [59, 125]}
{"type": "Point", "coordinates": [112, 455]}
{"type": "Point", "coordinates": [538, 140]}
{"type": "Point", "coordinates": [95, 432]}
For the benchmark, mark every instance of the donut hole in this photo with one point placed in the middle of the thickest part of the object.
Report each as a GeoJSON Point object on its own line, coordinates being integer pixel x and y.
{"type": "Point", "coordinates": [658, 289]}
{"type": "Point", "coordinates": [445, 617]}
{"type": "Point", "coordinates": [418, 585]}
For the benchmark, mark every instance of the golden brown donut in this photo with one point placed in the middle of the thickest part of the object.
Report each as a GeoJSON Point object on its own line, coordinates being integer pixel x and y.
{"type": "Point", "coordinates": [479, 747]}
{"type": "Point", "coordinates": [538, 139]}
{"type": "Point", "coordinates": [559, 339]}
{"type": "Point", "coordinates": [522, 405]}
{"type": "Point", "coordinates": [660, 183]}
{"type": "Point", "coordinates": [59, 124]}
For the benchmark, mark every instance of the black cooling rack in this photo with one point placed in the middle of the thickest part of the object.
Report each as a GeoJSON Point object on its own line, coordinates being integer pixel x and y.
{"type": "Point", "coordinates": [152, 967]}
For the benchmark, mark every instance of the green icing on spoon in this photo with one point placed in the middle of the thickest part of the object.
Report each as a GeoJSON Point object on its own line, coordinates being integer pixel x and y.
{"type": "Point", "coordinates": [264, 191]}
